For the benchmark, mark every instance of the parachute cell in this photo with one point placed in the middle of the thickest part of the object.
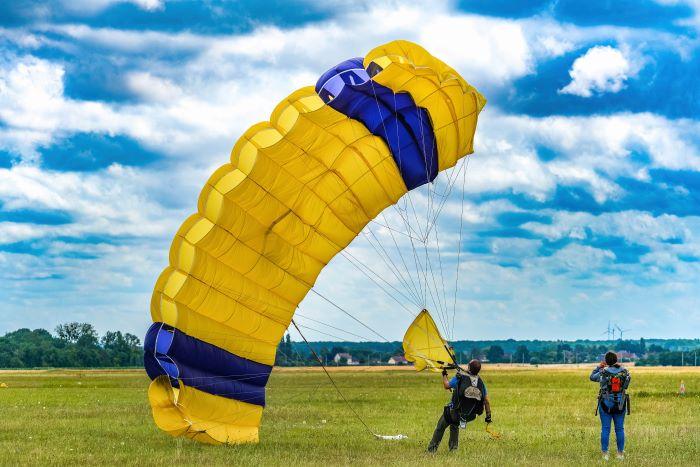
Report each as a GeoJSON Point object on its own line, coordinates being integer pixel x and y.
{"type": "Point", "coordinates": [297, 190]}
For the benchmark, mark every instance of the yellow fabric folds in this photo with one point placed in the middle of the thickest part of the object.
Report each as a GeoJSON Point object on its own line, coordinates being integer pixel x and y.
{"type": "Point", "coordinates": [452, 103]}
{"type": "Point", "coordinates": [189, 412]}
{"type": "Point", "coordinates": [298, 189]}
{"type": "Point", "coordinates": [424, 346]}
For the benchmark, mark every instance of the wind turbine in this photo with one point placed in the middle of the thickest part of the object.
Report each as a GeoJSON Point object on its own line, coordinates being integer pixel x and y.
{"type": "Point", "coordinates": [609, 331]}
{"type": "Point", "coordinates": [621, 330]}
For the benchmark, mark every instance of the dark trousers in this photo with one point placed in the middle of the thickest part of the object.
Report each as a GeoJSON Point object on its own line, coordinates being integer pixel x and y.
{"type": "Point", "coordinates": [439, 431]}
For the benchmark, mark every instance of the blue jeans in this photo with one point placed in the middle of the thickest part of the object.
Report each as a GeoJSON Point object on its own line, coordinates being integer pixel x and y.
{"type": "Point", "coordinates": [606, 421]}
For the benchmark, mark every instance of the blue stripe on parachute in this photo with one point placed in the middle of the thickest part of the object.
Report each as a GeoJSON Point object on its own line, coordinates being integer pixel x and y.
{"type": "Point", "coordinates": [169, 351]}
{"type": "Point", "coordinates": [394, 117]}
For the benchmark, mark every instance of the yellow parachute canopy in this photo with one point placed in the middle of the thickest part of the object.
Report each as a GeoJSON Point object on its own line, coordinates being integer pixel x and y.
{"type": "Point", "coordinates": [424, 346]}
{"type": "Point", "coordinates": [297, 190]}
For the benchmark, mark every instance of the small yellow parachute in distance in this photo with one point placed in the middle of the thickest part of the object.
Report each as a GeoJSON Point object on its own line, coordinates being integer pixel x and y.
{"type": "Point", "coordinates": [425, 347]}
{"type": "Point", "coordinates": [297, 190]}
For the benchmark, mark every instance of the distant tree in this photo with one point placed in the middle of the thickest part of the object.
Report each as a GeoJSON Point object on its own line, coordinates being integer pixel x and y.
{"type": "Point", "coordinates": [521, 354]}
{"type": "Point", "coordinates": [121, 349]}
{"type": "Point", "coordinates": [475, 352]}
{"type": "Point", "coordinates": [337, 349]}
{"type": "Point", "coordinates": [132, 341]}
{"type": "Point", "coordinates": [284, 353]}
{"type": "Point", "coordinates": [324, 354]}
{"type": "Point", "coordinates": [68, 332]}
{"type": "Point", "coordinates": [495, 354]}
{"type": "Point", "coordinates": [74, 333]}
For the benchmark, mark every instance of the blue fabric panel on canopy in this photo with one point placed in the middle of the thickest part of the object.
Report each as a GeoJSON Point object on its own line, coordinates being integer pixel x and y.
{"type": "Point", "coordinates": [394, 117]}
{"type": "Point", "coordinates": [168, 351]}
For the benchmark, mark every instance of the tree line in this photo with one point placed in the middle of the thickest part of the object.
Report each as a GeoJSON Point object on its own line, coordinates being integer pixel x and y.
{"type": "Point", "coordinates": [528, 352]}
{"type": "Point", "coordinates": [75, 345]}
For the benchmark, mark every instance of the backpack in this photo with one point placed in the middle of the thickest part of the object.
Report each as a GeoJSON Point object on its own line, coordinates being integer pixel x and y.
{"type": "Point", "coordinates": [612, 397]}
{"type": "Point", "coordinates": [467, 399]}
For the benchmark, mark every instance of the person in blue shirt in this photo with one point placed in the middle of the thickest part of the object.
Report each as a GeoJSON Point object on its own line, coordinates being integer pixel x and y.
{"type": "Point", "coordinates": [613, 402]}
{"type": "Point", "coordinates": [469, 399]}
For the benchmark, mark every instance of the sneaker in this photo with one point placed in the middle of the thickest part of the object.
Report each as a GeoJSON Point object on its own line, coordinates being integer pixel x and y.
{"type": "Point", "coordinates": [606, 456]}
{"type": "Point", "coordinates": [620, 456]}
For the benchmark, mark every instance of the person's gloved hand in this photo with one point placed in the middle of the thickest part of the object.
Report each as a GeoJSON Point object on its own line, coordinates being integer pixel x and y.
{"type": "Point", "coordinates": [488, 418]}
{"type": "Point", "coordinates": [444, 372]}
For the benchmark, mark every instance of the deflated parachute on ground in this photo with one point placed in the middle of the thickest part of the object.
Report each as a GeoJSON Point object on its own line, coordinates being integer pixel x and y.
{"type": "Point", "coordinates": [299, 188]}
{"type": "Point", "coordinates": [425, 347]}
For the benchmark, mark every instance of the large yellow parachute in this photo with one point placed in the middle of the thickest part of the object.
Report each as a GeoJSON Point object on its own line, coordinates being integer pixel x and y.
{"type": "Point", "coordinates": [297, 190]}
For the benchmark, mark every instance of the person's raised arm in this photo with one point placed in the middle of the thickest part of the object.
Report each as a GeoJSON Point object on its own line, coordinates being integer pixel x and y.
{"type": "Point", "coordinates": [595, 374]}
{"type": "Point", "coordinates": [445, 380]}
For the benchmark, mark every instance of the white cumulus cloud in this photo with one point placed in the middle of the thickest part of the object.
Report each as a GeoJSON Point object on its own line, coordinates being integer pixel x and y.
{"type": "Point", "coordinates": [601, 69]}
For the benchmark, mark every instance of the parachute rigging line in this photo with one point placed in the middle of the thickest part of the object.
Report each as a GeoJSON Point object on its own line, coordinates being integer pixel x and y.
{"type": "Point", "coordinates": [407, 198]}
{"type": "Point", "coordinates": [459, 245]}
{"type": "Point", "coordinates": [340, 393]}
{"type": "Point", "coordinates": [323, 333]}
{"type": "Point", "coordinates": [391, 265]}
{"type": "Point", "coordinates": [430, 221]}
{"type": "Point", "coordinates": [348, 313]}
{"type": "Point", "coordinates": [347, 255]}
{"type": "Point", "coordinates": [331, 326]}
{"type": "Point", "coordinates": [403, 260]}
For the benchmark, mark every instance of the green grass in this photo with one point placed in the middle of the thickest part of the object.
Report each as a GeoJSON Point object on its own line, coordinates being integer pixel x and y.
{"type": "Point", "coordinates": [545, 416]}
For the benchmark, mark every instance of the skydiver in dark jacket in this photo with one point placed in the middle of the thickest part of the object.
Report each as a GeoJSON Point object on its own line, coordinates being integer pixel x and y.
{"type": "Point", "coordinates": [469, 399]}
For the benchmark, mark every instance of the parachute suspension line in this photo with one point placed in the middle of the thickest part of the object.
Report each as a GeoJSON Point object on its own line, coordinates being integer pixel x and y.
{"type": "Point", "coordinates": [441, 310]}
{"type": "Point", "coordinates": [441, 306]}
{"type": "Point", "coordinates": [419, 268]}
{"type": "Point", "coordinates": [349, 314]}
{"type": "Point", "coordinates": [459, 245]}
{"type": "Point", "coordinates": [297, 314]}
{"type": "Point", "coordinates": [450, 186]}
{"type": "Point", "coordinates": [392, 229]}
{"type": "Point", "coordinates": [390, 263]}
{"type": "Point", "coordinates": [340, 393]}
{"type": "Point", "coordinates": [442, 277]}
{"type": "Point", "coordinates": [323, 333]}
{"type": "Point", "coordinates": [403, 261]}
{"type": "Point", "coordinates": [408, 200]}
{"type": "Point", "coordinates": [348, 257]}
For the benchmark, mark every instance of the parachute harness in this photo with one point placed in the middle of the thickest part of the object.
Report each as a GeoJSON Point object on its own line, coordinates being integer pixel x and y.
{"type": "Point", "coordinates": [357, 415]}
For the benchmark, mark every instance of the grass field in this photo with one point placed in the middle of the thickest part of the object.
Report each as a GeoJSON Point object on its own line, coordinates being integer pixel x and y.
{"type": "Point", "coordinates": [545, 416]}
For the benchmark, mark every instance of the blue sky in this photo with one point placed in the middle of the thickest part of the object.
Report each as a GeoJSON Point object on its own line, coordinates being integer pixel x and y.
{"type": "Point", "coordinates": [582, 199]}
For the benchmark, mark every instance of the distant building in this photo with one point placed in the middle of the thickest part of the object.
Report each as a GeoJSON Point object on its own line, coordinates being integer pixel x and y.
{"type": "Point", "coordinates": [345, 358]}
{"type": "Point", "coordinates": [625, 355]}
{"type": "Point", "coordinates": [397, 360]}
